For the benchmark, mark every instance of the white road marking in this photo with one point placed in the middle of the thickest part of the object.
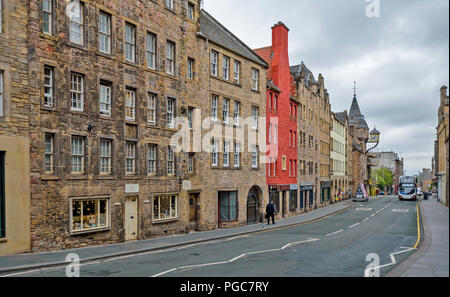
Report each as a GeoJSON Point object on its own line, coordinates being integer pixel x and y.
{"type": "Point", "coordinates": [235, 258]}
{"type": "Point", "coordinates": [365, 220]}
{"type": "Point", "coordinates": [401, 210]}
{"type": "Point", "coordinates": [353, 226]}
{"type": "Point", "coordinates": [393, 260]}
{"type": "Point", "coordinates": [364, 209]}
{"type": "Point", "coordinates": [334, 233]}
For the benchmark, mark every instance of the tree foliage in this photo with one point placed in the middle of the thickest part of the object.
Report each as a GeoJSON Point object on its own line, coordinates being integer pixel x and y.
{"type": "Point", "coordinates": [385, 178]}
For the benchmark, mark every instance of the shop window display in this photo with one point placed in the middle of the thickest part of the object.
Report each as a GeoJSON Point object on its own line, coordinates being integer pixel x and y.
{"type": "Point", "coordinates": [165, 207]}
{"type": "Point", "coordinates": [89, 214]}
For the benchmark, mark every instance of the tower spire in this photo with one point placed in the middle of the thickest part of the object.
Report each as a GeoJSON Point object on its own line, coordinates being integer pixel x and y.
{"type": "Point", "coordinates": [354, 89]}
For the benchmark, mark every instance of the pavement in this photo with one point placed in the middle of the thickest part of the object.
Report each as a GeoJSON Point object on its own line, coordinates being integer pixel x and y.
{"type": "Point", "coordinates": [34, 261]}
{"type": "Point", "coordinates": [432, 258]}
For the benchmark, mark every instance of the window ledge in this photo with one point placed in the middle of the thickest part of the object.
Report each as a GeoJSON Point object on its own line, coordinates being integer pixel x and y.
{"type": "Point", "coordinates": [75, 233]}
{"type": "Point", "coordinates": [3, 240]}
{"type": "Point", "coordinates": [165, 221]}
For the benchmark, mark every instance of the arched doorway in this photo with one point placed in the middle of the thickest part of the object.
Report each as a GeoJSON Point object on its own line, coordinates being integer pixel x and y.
{"type": "Point", "coordinates": [253, 205]}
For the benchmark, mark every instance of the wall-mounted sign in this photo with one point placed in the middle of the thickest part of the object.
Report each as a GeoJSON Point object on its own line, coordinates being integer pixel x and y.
{"type": "Point", "coordinates": [132, 188]}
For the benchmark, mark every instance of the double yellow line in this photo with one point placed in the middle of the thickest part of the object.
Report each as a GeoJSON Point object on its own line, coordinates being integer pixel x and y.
{"type": "Point", "coordinates": [418, 224]}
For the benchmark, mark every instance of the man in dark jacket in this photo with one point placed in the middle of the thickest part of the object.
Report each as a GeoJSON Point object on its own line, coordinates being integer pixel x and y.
{"type": "Point", "coordinates": [270, 213]}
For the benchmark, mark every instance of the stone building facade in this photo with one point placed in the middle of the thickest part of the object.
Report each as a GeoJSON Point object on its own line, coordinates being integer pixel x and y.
{"type": "Point", "coordinates": [339, 156]}
{"type": "Point", "coordinates": [314, 115]}
{"type": "Point", "coordinates": [442, 150]}
{"type": "Point", "coordinates": [14, 137]}
{"type": "Point", "coordinates": [360, 132]}
{"type": "Point", "coordinates": [282, 130]}
{"type": "Point", "coordinates": [109, 79]}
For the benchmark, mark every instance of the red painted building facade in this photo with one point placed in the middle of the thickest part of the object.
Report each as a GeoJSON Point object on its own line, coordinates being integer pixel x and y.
{"type": "Point", "coordinates": [282, 113]}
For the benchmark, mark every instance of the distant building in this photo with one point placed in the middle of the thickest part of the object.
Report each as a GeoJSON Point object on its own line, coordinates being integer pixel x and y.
{"type": "Point", "coordinates": [441, 156]}
{"type": "Point", "coordinates": [339, 155]}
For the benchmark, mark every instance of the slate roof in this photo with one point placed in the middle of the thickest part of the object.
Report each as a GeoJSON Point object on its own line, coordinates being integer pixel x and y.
{"type": "Point", "coordinates": [296, 70]}
{"type": "Point", "coordinates": [341, 117]}
{"type": "Point", "coordinates": [355, 117]}
{"type": "Point", "coordinates": [211, 29]}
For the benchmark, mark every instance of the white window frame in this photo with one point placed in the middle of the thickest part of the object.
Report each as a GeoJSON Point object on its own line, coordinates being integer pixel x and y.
{"type": "Point", "coordinates": [47, 14]}
{"type": "Point", "coordinates": [255, 117]}
{"type": "Point", "coordinates": [226, 154]}
{"type": "Point", "coordinates": [77, 92]}
{"type": "Point", "coordinates": [237, 155]}
{"type": "Point", "coordinates": [170, 4]}
{"type": "Point", "coordinates": [130, 157]}
{"type": "Point", "coordinates": [49, 167]}
{"type": "Point", "coordinates": [214, 64]}
{"type": "Point", "coordinates": [105, 156]}
{"type": "Point", "coordinates": [237, 113]}
{"type": "Point", "coordinates": [255, 156]}
{"type": "Point", "coordinates": [214, 103]}
{"type": "Point", "coordinates": [105, 99]}
{"type": "Point", "coordinates": [190, 11]}
{"type": "Point", "coordinates": [157, 208]}
{"type": "Point", "coordinates": [151, 108]}
{"type": "Point", "coordinates": [78, 24]}
{"type": "Point", "coordinates": [255, 79]}
{"type": "Point", "coordinates": [226, 110]}
{"type": "Point", "coordinates": [237, 72]}
{"type": "Point", "coordinates": [170, 57]}
{"type": "Point", "coordinates": [190, 68]}
{"type": "Point", "coordinates": [171, 113]}
{"type": "Point", "coordinates": [90, 229]}
{"type": "Point", "coordinates": [77, 149]}
{"type": "Point", "coordinates": [214, 153]}
{"type": "Point", "coordinates": [130, 42]}
{"type": "Point", "coordinates": [191, 163]}
{"type": "Point", "coordinates": [152, 155]}
{"type": "Point", "coordinates": [104, 32]}
{"type": "Point", "coordinates": [130, 105]}
{"type": "Point", "coordinates": [48, 87]}
{"type": "Point", "coordinates": [151, 50]}
{"type": "Point", "coordinates": [170, 161]}
{"type": "Point", "coordinates": [226, 68]}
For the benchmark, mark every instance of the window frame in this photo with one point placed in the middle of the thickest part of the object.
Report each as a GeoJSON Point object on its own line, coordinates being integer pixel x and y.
{"type": "Point", "coordinates": [107, 226]}
{"type": "Point", "coordinates": [170, 57]}
{"type": "Point", "coordinates": [48, 12]}
{"type": "Point", "coordinates": [171, 112]}
{"type": "Point", "coordinates": [151, 109]}
{"type": "Point", "coordinates": [130, 45]}
{"type": "Point", "coordinates": [108, 157]}
{"type": "Point", "coordinates": [237, 72]}
{"type": "Point", "coordinates": [130, 157]}
{"type": "Point", "coordinates": [214, 59]}
{"type": "Point", "coordinates": [49, 97]}
{"type": "Point", "coordinates": [51, 153]}
{"type": "Point", "coordinates": [151, 48]}
{"type": "Point", "coordinates": [80, 25]}
{"type": "Point", "coordinates": [107, 35]}
{"type": "Point", "coordinates": [108, 103]}
{"type": "Point", "coordinates": [226, 67]}
{"type": "Point", "coordinates": [226, 110]}
{"type": "Point", "coordinates": [152, 159]}
{"type": "Point", "coordinates": [79, 155]}
{"type": "Point", "coordinates": [79, 93]}
{"type": "Point", "coordinates": [130, 104]}
{"type": "Point", "coordinates": [255, 79]}
{"type": "Point", "coordinates": [171, 169]}
{"type": "Point", "coordinates": [173, 202]}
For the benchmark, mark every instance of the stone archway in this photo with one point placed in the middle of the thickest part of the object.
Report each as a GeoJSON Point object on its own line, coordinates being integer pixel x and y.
{"type": "Point", "coordinates": [253, 205]}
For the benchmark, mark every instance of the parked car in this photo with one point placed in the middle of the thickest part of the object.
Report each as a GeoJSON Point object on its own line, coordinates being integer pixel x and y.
{"type": "Point", "coordinates": [360, 197]}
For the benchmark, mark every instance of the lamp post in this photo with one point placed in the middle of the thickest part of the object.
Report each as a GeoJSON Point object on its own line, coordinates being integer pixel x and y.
{"type": "Point", "coordinates": [374, 138]}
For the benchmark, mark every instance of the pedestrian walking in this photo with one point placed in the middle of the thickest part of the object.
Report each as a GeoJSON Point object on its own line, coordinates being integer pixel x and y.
{"type": "Point", "coordinates": [270, 213]}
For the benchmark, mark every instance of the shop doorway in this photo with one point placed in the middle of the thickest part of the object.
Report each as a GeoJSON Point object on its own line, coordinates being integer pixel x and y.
{"type": "Point", "coordinates": [253, 205]}
{"type": "Point", "coordinates": [194, 211]}
{"type": "Point", "coordinates": [131, 219]}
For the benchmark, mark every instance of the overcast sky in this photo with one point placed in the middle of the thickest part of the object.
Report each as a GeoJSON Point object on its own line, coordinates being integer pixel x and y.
{"type": "Point", "coordinates": [400, 59]}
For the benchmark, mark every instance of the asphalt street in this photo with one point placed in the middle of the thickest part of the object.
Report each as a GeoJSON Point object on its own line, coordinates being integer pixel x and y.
{"type": "Point", "coordinates": [343, 245]}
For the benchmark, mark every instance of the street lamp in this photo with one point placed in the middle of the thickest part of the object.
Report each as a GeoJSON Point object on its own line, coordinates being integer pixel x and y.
{"type": "Point", "coordinates": [374, 138]}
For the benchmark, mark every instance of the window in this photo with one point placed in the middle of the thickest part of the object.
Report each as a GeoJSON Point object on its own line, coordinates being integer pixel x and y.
{"type": "Point", "coordinates": [283, 163]}
{"type": "Point", "coordinates": [170, 161]}
{"type": "Point", "coordinates": [104, 30]}
{"type": "Point", "coordinates": [169, 4]}
{"type": "Point", "coordinates": [237, 112]}
{"type": "Point", "coordinates": [275, 103]}
{"type": "Point", "coordinates": [1, 93]}
{"type": "Point", "coordinates": [227, 206]}
{"type": "Point", "coordinates": [151, 51]}
{"type": "Point", "coordinates": [190, 72]}
{"type": "Point", "coordinates": [130, 162]}
{"type": "Point", "coordinates": [255, 156]}
{"type": "Point", "coordinates": [214, 107]}
{"type": "Point", "coordinates": [48, 86]}
{"type": "Point", "coordinates": [255, 79]}
{"type": "Point", "coordinates": [105, 99]}
{"type": "Point", "coordinates": [191, 162]}
{"type": "Point", "coordinates": [170, 58]}
{"type": "Point", "coordinates": [237, 72]}
{"type": "Point", "coordinates": [151, 109]}
{"type": "Point", "coordinates": [151, 159]}
{"type": "Point", "coordinates": [46, 16]}
{"type": "Point", "coordinates": [275, 135]}
{"type": "Point", "coordinates": [226, 68]}
{"type": "Point", "coordinates": [226, 110]}
{"type": "Point", "coordinates": [170, 112]}
{"type": "Point", "coordinates": [190, 113]}
{"type": "Point", "coordinates": [77, 92]}
{"type": "Point", "coordinates": [214, 56]}
{"type": "Point", "coordinates": [237, 155]}
{"type": "Point", "coordinates": [255, 116]}
{"type": "Point", "coordinates": [130, 105]}
{"type": "Point", "coordinates": [105, 156]}
{"type": "Point", "coordinates": [270, 133]}
{"type": "Point", "coordinates": [165, 207]}
{"type": "Point", "coordinates": [49, 162]}
{"type": "Point", "coordinates": [290, 167]}
{"type": "Point", "coordinates": [226, 154]}
{"type": "Point", "coordinates": [76, 25]}
{"type": "Point", "coordinates": [89, 214]}
{"type": "Point", "coordinates": [214, 153]}
{"type": "Point", "coordinates": [77, 154]}
{"type": "Point", "coordinates": [190, 11]}
{"type": "Point", "coordinates": [130, 42]}
{"type": "Point", "coordinates": [275, 168]}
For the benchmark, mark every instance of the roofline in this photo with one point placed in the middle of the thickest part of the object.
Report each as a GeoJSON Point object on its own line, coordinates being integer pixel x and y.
{"type": "Point", "coordinates": [262, 61]}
